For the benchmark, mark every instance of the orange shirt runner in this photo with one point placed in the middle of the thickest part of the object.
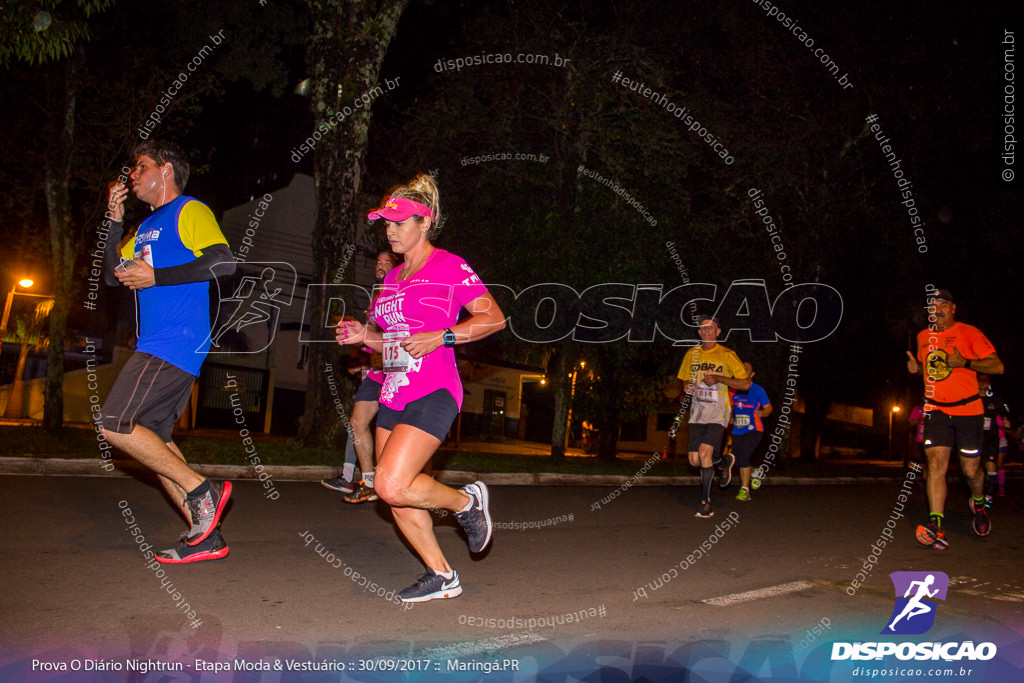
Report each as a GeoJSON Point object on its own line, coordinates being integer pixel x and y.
{"type": "Point", "coordinates": [953, 391]}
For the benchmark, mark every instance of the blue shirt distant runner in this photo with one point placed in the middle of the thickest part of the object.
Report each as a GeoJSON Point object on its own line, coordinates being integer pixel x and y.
{"type": "Point", "coordinates": [744, 409]}
{"type": "Point", "coordinates": [748, 410]}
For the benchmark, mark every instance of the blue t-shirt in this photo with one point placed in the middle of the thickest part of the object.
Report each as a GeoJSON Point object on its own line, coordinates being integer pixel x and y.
{"type": "Point", "coordinates": [174, 320]}
{"type": "Point", "coordinates": [744, 419]}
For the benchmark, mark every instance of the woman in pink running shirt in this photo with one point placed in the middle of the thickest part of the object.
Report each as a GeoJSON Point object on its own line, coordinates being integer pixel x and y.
{"type": "Point", "coordinates": [414, 323]}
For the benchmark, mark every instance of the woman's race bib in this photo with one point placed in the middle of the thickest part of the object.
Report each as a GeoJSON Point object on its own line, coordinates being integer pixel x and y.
{"type": "Point", "coordinates": [741, 420]}
{"type": "Point", "coordinates": [396, 359]}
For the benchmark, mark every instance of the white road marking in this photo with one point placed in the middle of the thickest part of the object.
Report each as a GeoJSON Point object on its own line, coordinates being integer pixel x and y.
{"type": "Point", "coordinates": [1004, 592]}
{"type": "Point", "coordinates": [769, 592]}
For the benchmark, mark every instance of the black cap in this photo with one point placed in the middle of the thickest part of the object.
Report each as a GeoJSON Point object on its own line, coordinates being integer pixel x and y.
{"type": "Point", "coordinates": [943, 294]}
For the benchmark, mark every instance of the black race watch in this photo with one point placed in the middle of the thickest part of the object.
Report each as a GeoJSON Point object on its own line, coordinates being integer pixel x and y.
{"type": "Point", "coordinates": [449, 337]}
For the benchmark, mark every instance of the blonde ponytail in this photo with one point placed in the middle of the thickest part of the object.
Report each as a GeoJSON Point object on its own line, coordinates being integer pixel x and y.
{"type": "Point", "coordinates": [423, 189]}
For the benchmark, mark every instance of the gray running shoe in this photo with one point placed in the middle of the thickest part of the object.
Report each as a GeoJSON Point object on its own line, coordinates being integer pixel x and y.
{"type": "Point", "coordinates": [431, 586]}
{"type": "Point", "coordinates": [339, 484]}
{"type": "Point", "coordinates": [476, 521]}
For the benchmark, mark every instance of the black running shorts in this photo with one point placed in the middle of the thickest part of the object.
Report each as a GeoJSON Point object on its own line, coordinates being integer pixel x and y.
{"type": "Point", "coordinates": [963, 431]}
{"type": "Point", "coordinates": [744, 445]}
{"type": "Point", "coordinates": [434, 414]}
{"type": "Point", "coordinates": [149, 392]}
{"type": "Point", "coordinates": [368, 390]}
{"type": "Point", "coordinates": [710, 434]}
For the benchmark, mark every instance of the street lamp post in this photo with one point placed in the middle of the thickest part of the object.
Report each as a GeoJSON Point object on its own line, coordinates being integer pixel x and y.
{"type": "Point", "coordinates": [24, 282]}
{"type": "Point", "coordinates": [895, 409]}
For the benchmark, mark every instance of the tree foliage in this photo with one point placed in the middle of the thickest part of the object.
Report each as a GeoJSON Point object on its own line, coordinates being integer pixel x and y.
{"type": "Point", "coordinates": [85, 102]}
{"type": "Point", "coordinates": [45, 31]}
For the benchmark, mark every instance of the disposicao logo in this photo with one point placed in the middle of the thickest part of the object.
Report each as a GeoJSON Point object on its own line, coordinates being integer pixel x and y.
{"type": "Point", "coordinates": [914, 614]}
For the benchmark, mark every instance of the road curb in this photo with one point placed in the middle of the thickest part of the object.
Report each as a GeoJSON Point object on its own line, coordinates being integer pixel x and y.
{"type": "Point", "coordinates": [127, 468]}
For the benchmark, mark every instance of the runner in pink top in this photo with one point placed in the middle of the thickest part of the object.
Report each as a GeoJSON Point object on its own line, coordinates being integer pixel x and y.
{"type": "Point", "coordinates": [430, 300]}
{"type": "Point", "coordinates": [416, 320]}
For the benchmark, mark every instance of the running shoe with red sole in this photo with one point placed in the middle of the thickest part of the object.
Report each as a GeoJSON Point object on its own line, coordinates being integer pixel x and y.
{"type": "Point", "coordinates": [362, 494]}
{"type": "Point", "coordinates": [981, 524]}
{"type": "Point", "coordinates": [206, 511]}
{"type": "Point", "coordinates": [931, 535]}
{"type": "Point", "coordinates": [213, 548]}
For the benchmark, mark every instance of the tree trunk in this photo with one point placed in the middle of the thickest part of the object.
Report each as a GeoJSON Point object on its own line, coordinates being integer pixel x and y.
{"type": "Point", "coordinates": [558, 367]}
{"type": "Point", "coordinates": [570, 152]}
{"type": "Point", "coordinates": [607, 441]}
{"type": "Point", "coordinates": [609, 390]}
{"type": "Point", "coordinates": [350, 40]}
{"type": "Point", "coordinates": [62, 96]}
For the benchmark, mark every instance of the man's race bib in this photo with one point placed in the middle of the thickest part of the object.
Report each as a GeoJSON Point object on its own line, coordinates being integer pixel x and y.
{"type": "Point", "coordinates": [741, 420]}
{"type": "Point", "coordinates": [706, 394]}
{"type": "Point", "coordinates": [396, 359]}
{"type": "Point", "coordinates": [988, 423]}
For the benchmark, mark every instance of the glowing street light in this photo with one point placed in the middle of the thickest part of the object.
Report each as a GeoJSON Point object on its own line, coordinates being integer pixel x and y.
{"type": "Point", "coordinates": [24, 282]}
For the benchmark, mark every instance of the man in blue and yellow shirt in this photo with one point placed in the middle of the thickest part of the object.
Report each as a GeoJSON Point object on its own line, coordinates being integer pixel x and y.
{"type": "Point", "coordinates": [176, 251]}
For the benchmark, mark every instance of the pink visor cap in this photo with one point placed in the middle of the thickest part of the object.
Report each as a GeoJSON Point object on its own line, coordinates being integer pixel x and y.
{"type": "Point", "coordinates": [397, 209]}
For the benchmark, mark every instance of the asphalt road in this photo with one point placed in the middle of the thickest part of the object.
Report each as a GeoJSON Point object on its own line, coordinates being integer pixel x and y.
{"type": "Point", "coordinates": [76, 586]}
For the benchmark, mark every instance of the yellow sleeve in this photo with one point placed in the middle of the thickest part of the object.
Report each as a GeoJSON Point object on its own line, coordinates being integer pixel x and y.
{"type": "Point", "coordinates": [735, 367]}
{"type": "Point", "coordinates": [198, 228]}
{"type": "Point", "coordinates": [684, 367]}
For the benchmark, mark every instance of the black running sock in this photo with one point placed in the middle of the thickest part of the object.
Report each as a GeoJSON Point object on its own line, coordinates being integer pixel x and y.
{"type": "Point", "coordinates": [991, 483]}
{"type": "Point", "coordinates": [201, 490]}
{"type": "Point", "coordinates": [707, 474]}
